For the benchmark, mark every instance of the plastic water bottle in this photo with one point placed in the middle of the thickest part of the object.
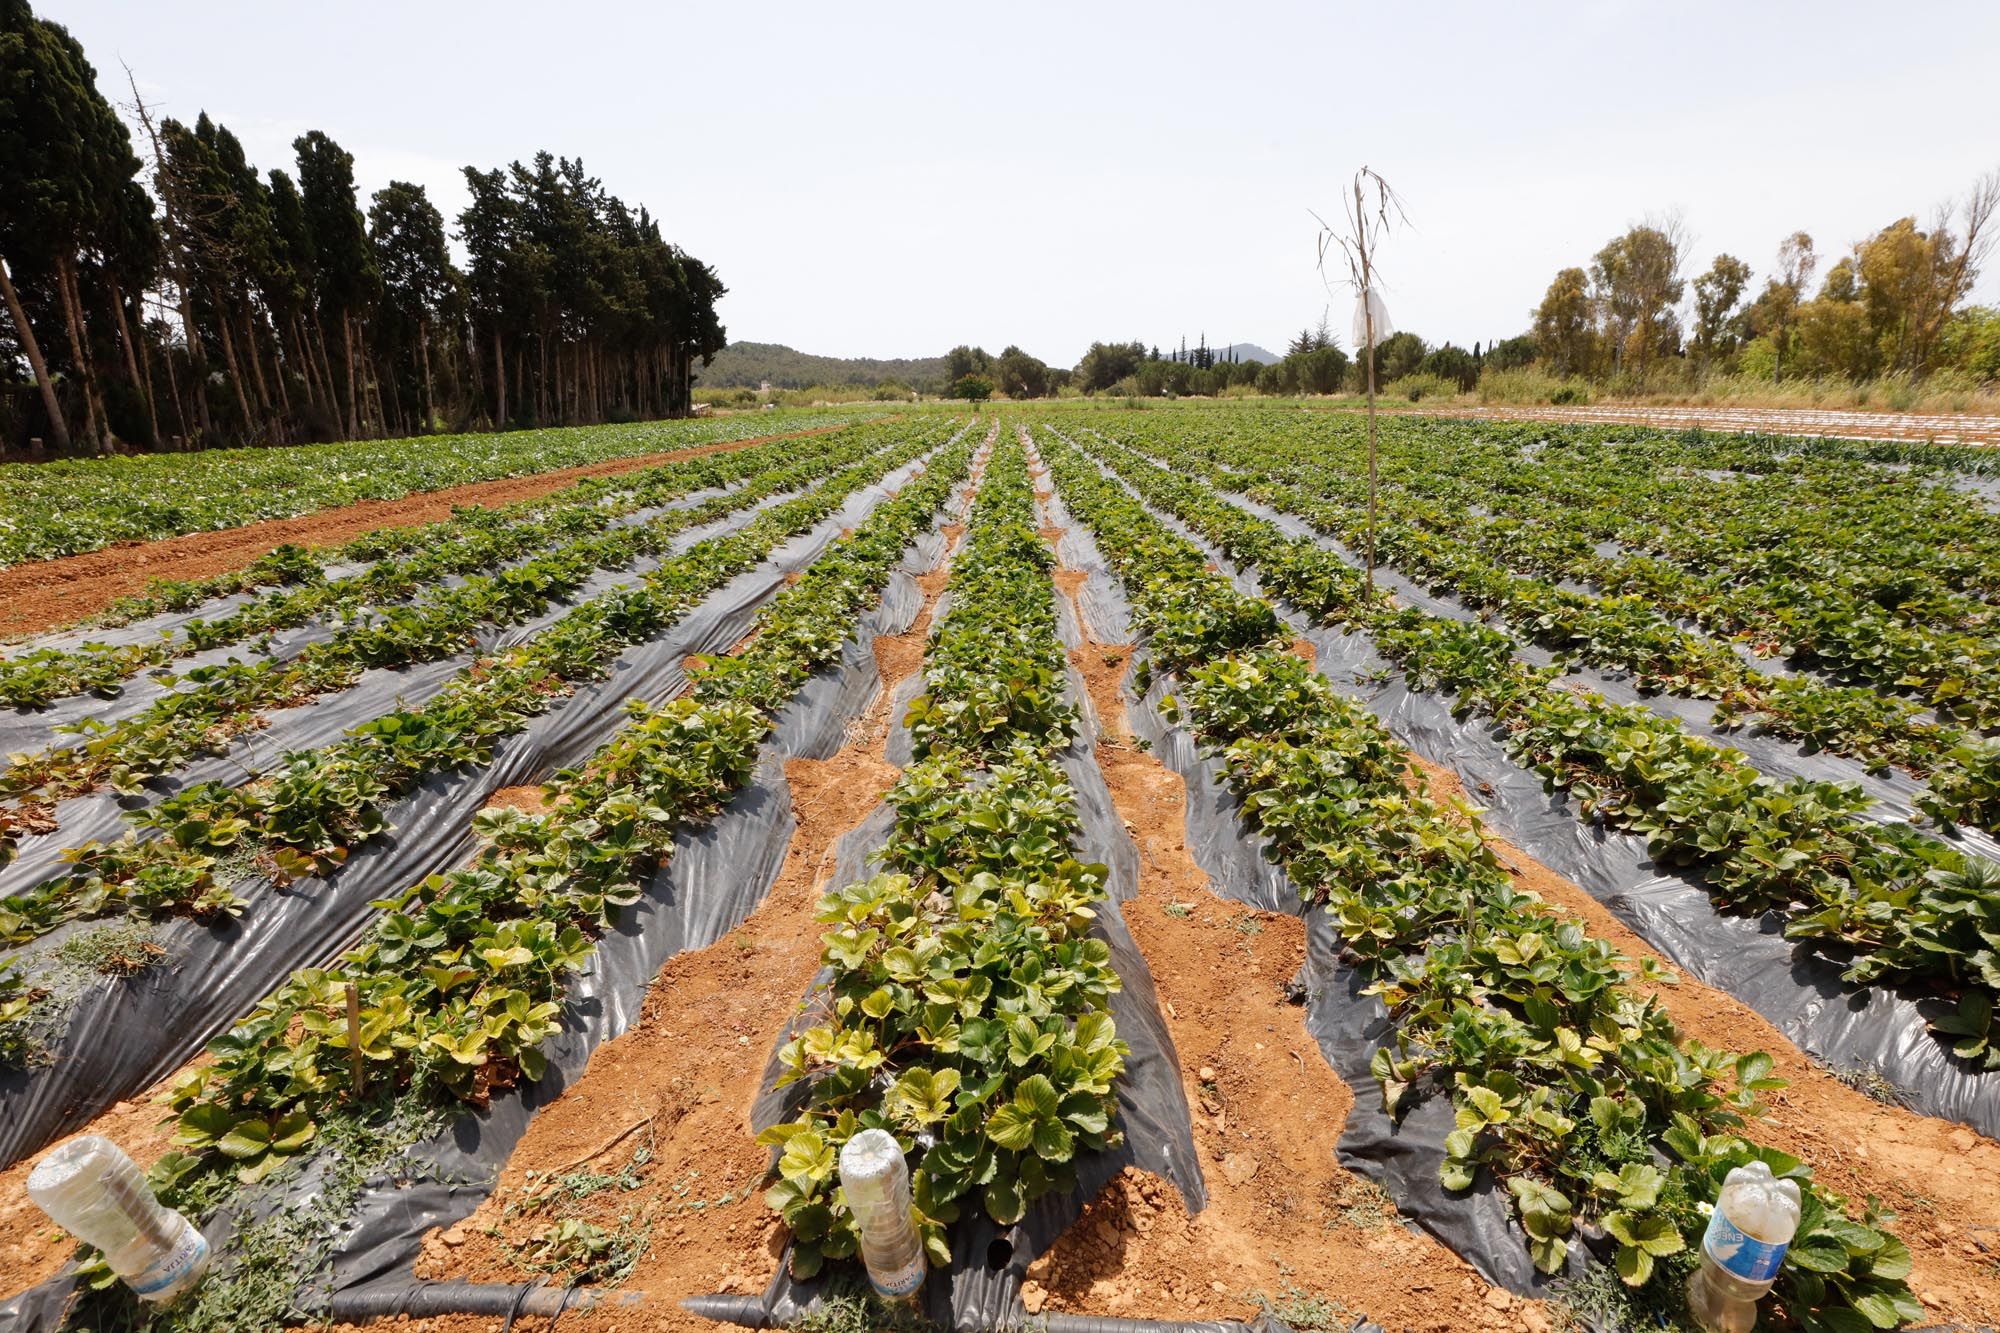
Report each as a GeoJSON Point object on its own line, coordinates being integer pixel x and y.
{"type": "Point", "coordinates": [96, 1193]}
{"type": "Point", "coordinates": [1754, 1221]}
{"type": "Point", "coordinates": [876, 1180]}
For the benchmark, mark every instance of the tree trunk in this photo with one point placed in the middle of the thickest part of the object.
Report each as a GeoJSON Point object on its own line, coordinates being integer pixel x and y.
{"type": "Point", "coordinates": [254, 352]}
{"type": "Point", "coordinates": [235, 374]}
{"type": "Point", "coordinates": [353, 409]}
{"type": "Point", "coordinates": [375, 378]}
{"type": "Point", "coordinates": [322, 366]}
{"type": "Point", "coordinates": [73, 320]}
{"type": "Point", "coordinates": [152, 389]}
{"type": "Point", "coordinates": [57, 427]}
{"type": "Point", "coordinates": [174, 388]}
{"type": "Point", "coordinates": [499, 381]}
{"type": "Point", "coordinates": [278, 373]}
{"type": "Point", "coordinates": [143, 385]}
{"type": "Point", "coordinates": [424, 362]}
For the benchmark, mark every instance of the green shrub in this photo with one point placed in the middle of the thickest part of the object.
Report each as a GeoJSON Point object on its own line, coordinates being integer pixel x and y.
{"type": "Point", "coordinates": [1420, 386]}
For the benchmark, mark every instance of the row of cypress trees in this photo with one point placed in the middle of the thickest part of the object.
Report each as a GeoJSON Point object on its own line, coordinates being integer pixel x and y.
{"type": "Point", "coordinates": [164, 291]}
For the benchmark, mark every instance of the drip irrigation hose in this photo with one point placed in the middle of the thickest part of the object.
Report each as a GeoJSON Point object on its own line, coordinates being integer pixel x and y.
{"type": "Point", "coordinates": [752, 1312]}
{"type": "Point", "coordinates": [423, 1300]}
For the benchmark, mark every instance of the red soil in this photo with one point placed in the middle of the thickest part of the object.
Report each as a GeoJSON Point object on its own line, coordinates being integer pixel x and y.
{"type": "Point", "coordinates": [48, 594]}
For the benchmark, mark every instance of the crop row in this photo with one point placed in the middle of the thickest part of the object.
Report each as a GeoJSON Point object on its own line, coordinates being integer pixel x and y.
{"type": "Point", "coordinates": [63, 508]}
{"type": "Point", "coordinates": [1732, 512]}
{"type": "Point", "coordinates": [291, 586]}
{"type": "Point", "coordinates": [1891, 904]}
{"type": "Point", "coordinates": [227, 700]}
{"type": "Point", "coordinates": [465, 974]}
{"type": "Point", "coordinates": [967, 1010]}
{"type": "Point", "coordinates": [309, 815]}
{"type": "Point", "coordinates": [1850, 571]}
{"type": "Point", "coordinates": [1569, 1087]}
{"type": "Point", "coordinates": [1626, 633]}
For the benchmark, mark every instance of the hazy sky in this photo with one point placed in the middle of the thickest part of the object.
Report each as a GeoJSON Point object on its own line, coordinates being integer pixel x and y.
{"type": "Point", "coordinates": [889, 180]}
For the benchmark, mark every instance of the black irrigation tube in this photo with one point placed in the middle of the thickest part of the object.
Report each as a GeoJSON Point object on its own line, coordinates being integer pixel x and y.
{"type": "Point", "coordinates": [499, 1300]}
{"type": "Point", "coordinates": [752, 1312]}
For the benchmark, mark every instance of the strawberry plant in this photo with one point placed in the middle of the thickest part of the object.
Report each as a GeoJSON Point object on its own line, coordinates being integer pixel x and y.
{"type": "Point", "coordinates": [1604, 1123]}
{"type": "Point", "coordinates": [464, 975]}
{"type": "Point", "coordinates": [967, 1007]}
{"type": "Point", "coordinates": [1883, 900]}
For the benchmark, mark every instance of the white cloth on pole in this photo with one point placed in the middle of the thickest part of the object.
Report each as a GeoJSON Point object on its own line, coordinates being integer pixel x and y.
{"type": "Point", "coordinates": [1383, 328]}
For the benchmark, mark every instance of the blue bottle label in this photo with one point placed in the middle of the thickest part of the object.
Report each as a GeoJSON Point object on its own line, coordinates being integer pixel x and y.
{"type": "Point", "coordinates": [1741, 1255]}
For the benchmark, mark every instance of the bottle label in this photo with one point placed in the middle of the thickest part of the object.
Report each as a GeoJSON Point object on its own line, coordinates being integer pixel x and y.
{"type": "Point", "coordinates": [173, 1267]}
{"type": "Point", "coordinates": [899, 1282]}
{"type": "Point", "coordinates": [1741, 1255]}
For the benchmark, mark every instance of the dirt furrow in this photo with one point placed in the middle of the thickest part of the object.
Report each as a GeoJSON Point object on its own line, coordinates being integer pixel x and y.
{"type": "Point", "coordinates": [662, 1110]}
{"type": "Point", "coordinates": [49, 594]}
{"type": "Point", "coordinates": [1936, 1176]}
{"type": "Point", "coordinates": [1285, 1224]}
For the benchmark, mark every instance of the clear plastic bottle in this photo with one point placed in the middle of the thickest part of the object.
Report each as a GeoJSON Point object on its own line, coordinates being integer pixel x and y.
{"type": "Point", "coordinates": [98, 1194]}
{"type": "Point", "coordinates": [876, 1180]}
{"type": "Point", "coordinates": [1755, 1218]}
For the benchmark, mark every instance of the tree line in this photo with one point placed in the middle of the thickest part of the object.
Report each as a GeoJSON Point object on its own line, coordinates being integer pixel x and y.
{"type": "Point", "coordinates": [166, 292]}
{"type": "Point", "coordinates": [1894, 304]}
{"type": "Point", "coordinates": [1313, 363]}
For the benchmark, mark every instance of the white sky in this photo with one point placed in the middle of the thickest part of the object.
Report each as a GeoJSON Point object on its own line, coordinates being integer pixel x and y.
{"type": "Point", "coordinates": [889, 180]}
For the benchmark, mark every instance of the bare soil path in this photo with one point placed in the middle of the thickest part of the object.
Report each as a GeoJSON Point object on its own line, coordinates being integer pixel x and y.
{"type": "Point", "coordinates": [49, 594]}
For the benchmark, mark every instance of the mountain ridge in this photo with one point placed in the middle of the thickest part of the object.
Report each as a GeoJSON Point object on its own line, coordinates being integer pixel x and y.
{"type": "Point", "coordinates": [748, 364]}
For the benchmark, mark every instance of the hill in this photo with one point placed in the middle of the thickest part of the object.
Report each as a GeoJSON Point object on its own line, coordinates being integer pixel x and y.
{"type": "Point", "coordinates": [746, 365]}
{"type": "Point", "coordinates": [1249, 352]}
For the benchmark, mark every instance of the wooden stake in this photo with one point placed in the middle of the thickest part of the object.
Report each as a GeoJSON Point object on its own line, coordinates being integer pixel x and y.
{"type": "Point", "coordinates": [1368, 318]}
{"type": "Point", "coordinates": [354, 1040]}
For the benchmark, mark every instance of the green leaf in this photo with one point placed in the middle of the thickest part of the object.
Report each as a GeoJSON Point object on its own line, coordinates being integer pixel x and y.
{"type": "Point", "coordinates": [1635, 1266]}
{"type": "Point", "coordinates": [1891, 1263]}
{"type": "Point", "coordinates": [1038, 1096]}
{"type": "Point", "coordinates": [202, 1124]}
{"type": "Point", "coordinates": [1878, 1309]}
{"type": "Point", "coordinates": [1819, 1254]}
{"type": "Point", "coordinates": [1011, 1127]}
{"type": "Point", "coordinates": [292, 1132]}
{"type": "Point", "coordinates": [1004, 1203]}
{"type": "Point", "coordinates": [247, 1138]}
{"type": "Point", "coordinates": [1053, 1142]}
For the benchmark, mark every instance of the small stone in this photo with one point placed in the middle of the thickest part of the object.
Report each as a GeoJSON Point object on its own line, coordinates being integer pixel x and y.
{"type": "Point", "coordinates": [454, 1237]}
{"type": "Point", "coordinates": [1533, 1319]}
{"type": "Point", "coordinates": [122, 1108]}
{"type": "Point", "coordinates": [1033, 1297]}
{"type": "Point", "coordinates": [1239, 1167]}
{"type": "Point", "coordinates": [1218, 1288]}
{"type": "Point", "coordinates": [1962, 1139]}
{"type": "Point", "coordinates": [1499, 1299]}
{"type": "Point", "coordinates": [1206, 1074]}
